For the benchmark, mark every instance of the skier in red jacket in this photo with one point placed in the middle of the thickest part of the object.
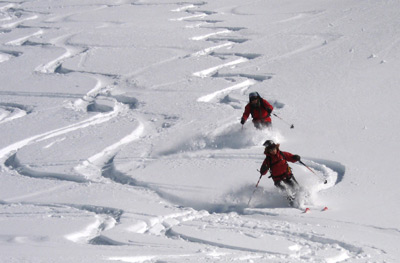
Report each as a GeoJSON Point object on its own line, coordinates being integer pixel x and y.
{"type": "Point", "coordinates": [260, 110]}
{"type": "Point", "coordinates": [276, 162]}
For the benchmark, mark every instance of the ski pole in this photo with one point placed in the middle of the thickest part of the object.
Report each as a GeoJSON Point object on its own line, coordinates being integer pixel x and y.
{"type": "Point", "coordinates": [251, 197]}
{"type": "Point", "coordinates": [291, 125]}
{"type": "Point", "coordinates": [311, 170]}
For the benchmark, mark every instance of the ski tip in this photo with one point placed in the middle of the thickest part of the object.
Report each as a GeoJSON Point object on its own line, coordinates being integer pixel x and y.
{"type": "Point", "coordinates": [325, 208]}
{"type": "Point", "coordinates": [307, 210]}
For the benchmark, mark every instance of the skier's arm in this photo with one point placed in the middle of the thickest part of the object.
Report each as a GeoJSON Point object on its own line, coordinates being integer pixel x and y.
{"type": "Point", "coordinates": [264, 167]}
{"type": "Point", "coordinates": [296, 157]}
{"type": "Point", "coordinates": [246, 114]}
{"type": "Point", "coordinates": [291, 157]}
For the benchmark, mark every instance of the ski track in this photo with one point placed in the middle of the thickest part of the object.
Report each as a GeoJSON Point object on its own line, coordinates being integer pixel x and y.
{"type": "Point", "coordinates": [22, 40]}
{"type": "Point", "coordinates": [207, 51]}
{"type": "Point", "coordinates": [101, 88]}
{"type": "Point", "coordinates": [303, 245]}
{"type": "Point", "coordinates": [301, 15]}
{"type": "Point", "coordinates": [104, 219]}
{"type": "Point", "coordinates": [17, 23]}
{"type": "Point", "coordinates": [91, 169]}
{"type": "Point", "coordinates": [70, 52]}
{"type": "Point", "coordinates": [172, 225]}
{"type": "Point", "coordinates": [85, 103]}
{"type": "Point", "coordinates": [6, 55]}
{"type": "Point", "coordinates": [226, 43]}
{"type": "Point", "coordinates": [94, 166]}
{"type": "Point", "coordinates": [12, 111]}
{"type": "Point", "coordinates": [10, 150]}
{"type": "Point", "coordinates": [220, 93]}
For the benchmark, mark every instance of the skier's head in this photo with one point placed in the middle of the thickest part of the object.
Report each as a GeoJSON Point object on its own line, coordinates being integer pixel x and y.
{"type": "Point", "coordinates": [270, 146]}
{"type": "Point", "coordinates": [253, 96]}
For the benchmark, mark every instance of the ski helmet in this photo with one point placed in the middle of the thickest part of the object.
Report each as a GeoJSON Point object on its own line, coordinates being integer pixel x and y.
{"type": "Point", "coordinates": [253, 95]}
{"type": "Point", "coordinates": [269, 144]}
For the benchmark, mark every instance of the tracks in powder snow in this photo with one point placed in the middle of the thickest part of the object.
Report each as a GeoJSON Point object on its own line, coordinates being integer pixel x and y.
{"type": "Point", "coordinates": [97, 100]}
{"type": "Point", "coordinates": [295, 239]}
{"type": "Point", "coordinates": [224, 39]}
{"type": "Point", "coordinates": [238, 231]}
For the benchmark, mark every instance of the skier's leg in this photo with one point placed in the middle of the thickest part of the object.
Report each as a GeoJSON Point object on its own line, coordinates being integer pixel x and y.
{"type": "Point", "coordinates": [280, 186]}
{"type": "Point", "coordinates": [267, 125]}
{"type": "Point", "coordinates": [292, 182]}
{"type": "Point", "coordinates": [287, 190]}
{"type": "Point", "coordinates": [257, 124]}
{"type": "Point", "coordinates": [300, 194]}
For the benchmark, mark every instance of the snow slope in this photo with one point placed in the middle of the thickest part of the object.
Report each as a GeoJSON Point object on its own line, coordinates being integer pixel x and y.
{"type": "Point", "coordinates": [121, 139]}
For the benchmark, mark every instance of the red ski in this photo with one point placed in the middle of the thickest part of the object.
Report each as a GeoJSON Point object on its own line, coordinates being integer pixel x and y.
{"type": "Point", "coordinates": [309, 210]}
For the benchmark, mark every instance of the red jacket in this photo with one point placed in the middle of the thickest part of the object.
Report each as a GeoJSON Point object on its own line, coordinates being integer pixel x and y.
{"type": "Point", "coordinates": [277, 164]}
{"type": "Point", "coordinates": [258, 113]}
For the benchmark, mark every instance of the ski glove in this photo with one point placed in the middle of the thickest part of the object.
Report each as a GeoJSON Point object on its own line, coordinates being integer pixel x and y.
{"type": "Point", "coordinates": [242, 121]}
{"type": "Point", "coordinates": [263, 169]}
{"type": "Point", "coordinates": [296, 157]}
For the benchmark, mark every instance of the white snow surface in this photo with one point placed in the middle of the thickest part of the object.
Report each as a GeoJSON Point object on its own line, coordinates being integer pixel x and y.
{"type": "Point", "coordinates": [121, 141]}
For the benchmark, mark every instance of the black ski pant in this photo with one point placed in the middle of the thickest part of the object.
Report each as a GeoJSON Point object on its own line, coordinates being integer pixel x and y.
{"type": "Point", "coordinates": [290, 182]}
{"type": "Point", "coordinates": [262, 124]}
